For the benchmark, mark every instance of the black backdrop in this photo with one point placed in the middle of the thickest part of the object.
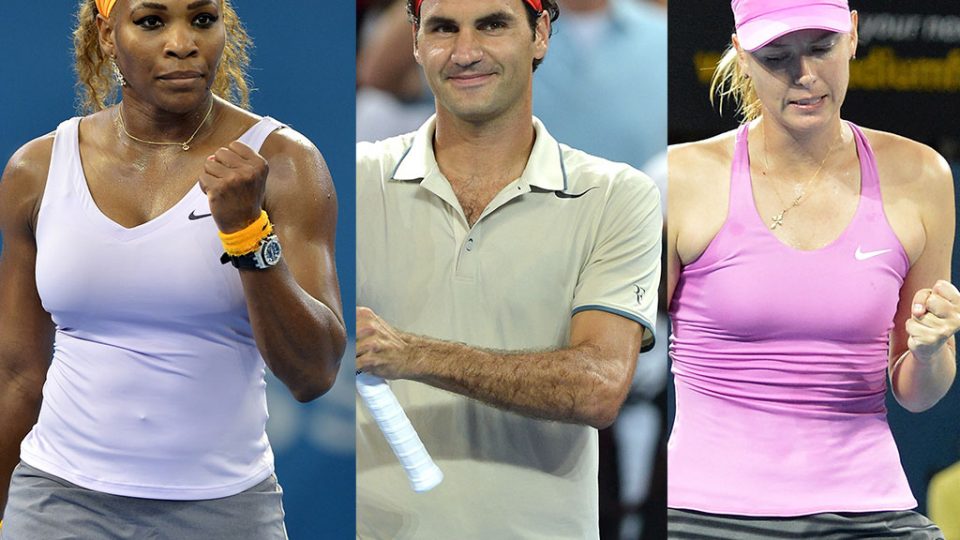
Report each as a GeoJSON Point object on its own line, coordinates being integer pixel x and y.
{"type": "Point", "coordinates": [906, 78]}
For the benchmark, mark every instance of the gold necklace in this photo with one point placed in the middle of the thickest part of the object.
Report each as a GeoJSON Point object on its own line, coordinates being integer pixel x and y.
{"type": "Point", "coordinates": [185, 145]}
{"type": "Point", "coordinates": [777, 219]}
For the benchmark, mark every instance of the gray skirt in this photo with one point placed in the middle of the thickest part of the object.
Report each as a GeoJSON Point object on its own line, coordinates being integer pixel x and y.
{"type": "Point", "coordinates": [41, 506]}
{"type": "Point", "coordinates": [902, 525]}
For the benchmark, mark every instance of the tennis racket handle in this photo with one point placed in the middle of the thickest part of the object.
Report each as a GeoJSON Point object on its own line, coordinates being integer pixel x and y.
{"type": "Point", "coordinates": [422, 472]}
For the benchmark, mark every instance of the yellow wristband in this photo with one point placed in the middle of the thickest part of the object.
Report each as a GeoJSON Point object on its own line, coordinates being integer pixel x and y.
{"type": "Point", "coordinates": [248, 239]}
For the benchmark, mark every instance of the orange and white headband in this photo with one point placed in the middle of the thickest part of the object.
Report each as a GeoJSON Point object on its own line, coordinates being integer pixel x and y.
{"type": "Point", "coordinates": [105, 7]}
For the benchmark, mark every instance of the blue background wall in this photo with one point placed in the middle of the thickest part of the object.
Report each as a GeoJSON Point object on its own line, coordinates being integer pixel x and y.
{"type": "Point", "coordinates": [303, 72]}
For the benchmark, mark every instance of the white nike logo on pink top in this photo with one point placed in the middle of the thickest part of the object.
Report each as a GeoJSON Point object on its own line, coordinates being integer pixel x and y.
{"type": "Point", "coordinates": [864, 255]}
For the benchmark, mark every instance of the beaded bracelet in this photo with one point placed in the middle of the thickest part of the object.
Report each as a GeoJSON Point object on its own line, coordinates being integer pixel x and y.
{"type": "Point", "coordinates": [247, 240]}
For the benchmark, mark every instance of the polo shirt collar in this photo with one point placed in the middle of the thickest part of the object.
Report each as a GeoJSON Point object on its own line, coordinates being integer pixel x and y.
{"type": "Point", "coordinates": [419, 159]}
{"type": "Point", "coordinates": [544, 167]}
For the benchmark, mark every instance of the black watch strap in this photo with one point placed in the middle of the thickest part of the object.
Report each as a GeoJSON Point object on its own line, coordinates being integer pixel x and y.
{"type": "Point", "coordinates": [248, 261]}
{"type": "Point", "coordinates": [267, 255]}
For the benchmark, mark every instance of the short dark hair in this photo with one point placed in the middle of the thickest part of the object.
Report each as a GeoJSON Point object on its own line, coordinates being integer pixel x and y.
{"type": "Point", "coordinates": [549, 6]}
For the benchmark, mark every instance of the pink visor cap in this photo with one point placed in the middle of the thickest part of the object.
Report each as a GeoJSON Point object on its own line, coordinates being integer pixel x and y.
{"type": "Point", "coordinates": [759, 22]}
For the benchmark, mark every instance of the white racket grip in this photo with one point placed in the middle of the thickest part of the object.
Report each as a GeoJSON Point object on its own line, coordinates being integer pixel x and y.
{"type": "Point", "coordinates": [422, 472]}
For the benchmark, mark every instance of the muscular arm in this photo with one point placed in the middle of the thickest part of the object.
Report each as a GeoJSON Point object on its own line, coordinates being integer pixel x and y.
{"type": "Point", "coordinates": [26, 331]}
{"type": "Point", "coordinates": [584, 383]}
{"type": "Point", "coordinates": [923, 352]}
{"type": "Point", "coordinates": [294, 307]}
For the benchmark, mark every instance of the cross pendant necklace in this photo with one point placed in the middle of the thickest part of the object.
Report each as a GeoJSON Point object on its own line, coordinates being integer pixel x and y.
{"type": "Point", "coordinates": [777, 220]}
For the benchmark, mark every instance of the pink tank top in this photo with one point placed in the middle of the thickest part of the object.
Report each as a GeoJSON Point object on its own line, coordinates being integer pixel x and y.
{"type": "Point", "coordinates": [780, 363]}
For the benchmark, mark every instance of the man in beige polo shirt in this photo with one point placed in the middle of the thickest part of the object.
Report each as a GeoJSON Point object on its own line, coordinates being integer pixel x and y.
{"type": "Point", "coordinates": [507, 283]}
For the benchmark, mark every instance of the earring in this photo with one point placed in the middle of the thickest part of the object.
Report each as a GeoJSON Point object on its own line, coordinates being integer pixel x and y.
{"type": "Point", "coordinates": [116, 72]}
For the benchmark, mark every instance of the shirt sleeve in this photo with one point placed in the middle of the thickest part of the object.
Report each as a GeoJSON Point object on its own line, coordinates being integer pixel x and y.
{"type": "Point", "coordinates": [622, 273]}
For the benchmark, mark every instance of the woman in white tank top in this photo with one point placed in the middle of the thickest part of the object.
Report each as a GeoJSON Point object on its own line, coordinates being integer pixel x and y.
{"type": "Point", "coordinates": [162, 250]}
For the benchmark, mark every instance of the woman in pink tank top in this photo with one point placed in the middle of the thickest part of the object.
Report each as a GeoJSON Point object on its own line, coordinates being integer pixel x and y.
{"type": "Point", "coordinates": [808, 264]}
{"type": "Point", "coordinates": [163, 250]}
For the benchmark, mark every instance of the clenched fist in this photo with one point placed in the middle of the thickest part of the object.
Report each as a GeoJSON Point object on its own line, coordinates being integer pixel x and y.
{"type": "Point", "coordinates": [935, 318]}
{"type": "Point", "coordinates": [234, 180]}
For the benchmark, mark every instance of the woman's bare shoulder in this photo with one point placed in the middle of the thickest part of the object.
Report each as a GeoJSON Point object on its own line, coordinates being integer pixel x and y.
{"type": "Point", "coordinates": [696, 165]}
{"type": "Point", "coordinates": [904, 162]}
{"type": "Point", "coordinates": [24, 179]}
{"type": "Point", "coordinates": [29, 165]}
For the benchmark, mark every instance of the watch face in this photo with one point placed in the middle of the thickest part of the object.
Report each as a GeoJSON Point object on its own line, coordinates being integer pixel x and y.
{"type": "Point", "coordinates": [272, 251]}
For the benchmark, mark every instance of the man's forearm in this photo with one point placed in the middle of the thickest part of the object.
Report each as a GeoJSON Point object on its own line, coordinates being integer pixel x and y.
{"type": "Point", "coordinates": [576, 385]}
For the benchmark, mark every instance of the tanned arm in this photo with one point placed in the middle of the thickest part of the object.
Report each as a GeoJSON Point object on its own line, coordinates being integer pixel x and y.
{"type": "Point", "coordinates": [294, 307]}
{"type": "Point", "coordinates": [26, 330]}
{"type": "Point", "coordinates": [584, 383]}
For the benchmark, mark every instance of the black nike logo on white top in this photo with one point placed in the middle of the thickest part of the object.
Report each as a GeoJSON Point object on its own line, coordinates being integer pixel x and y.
{"type": "Point", "coordinates": [194, 215]}
{"type": "Point", "coordinates": [562, 194]}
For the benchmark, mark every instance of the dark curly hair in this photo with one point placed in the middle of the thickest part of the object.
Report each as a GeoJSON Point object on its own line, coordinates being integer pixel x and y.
{"type": "Point", "coordinates": [549, 6]}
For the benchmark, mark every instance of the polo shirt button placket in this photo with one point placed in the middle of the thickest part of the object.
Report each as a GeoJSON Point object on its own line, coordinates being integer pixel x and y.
{"type": "Point", "coordinates": [468, 261]}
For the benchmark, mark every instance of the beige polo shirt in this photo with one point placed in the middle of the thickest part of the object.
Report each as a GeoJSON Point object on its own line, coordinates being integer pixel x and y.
{"type": "Point", "coordinates": [574, 232]}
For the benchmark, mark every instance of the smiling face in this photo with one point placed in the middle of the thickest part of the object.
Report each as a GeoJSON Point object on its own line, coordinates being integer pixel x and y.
{"type": "Point", "coordinates": [167, 50]}
{"type": "Point", "coordinates": [801, 78]}
{"type": "Point", "coordinates": [477, 55]}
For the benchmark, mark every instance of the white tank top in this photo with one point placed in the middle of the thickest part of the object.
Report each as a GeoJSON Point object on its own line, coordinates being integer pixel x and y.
{"type": "Point", "coordinates": [156, 388]}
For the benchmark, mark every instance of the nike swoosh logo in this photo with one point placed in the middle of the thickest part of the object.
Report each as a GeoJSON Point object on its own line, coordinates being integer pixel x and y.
{"type": "Point", "coordinates": [195, 216]}
{"type": "Point", "coordinates": [864, 255]}
{"type": "Point", "coordinates": [562, 195]}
